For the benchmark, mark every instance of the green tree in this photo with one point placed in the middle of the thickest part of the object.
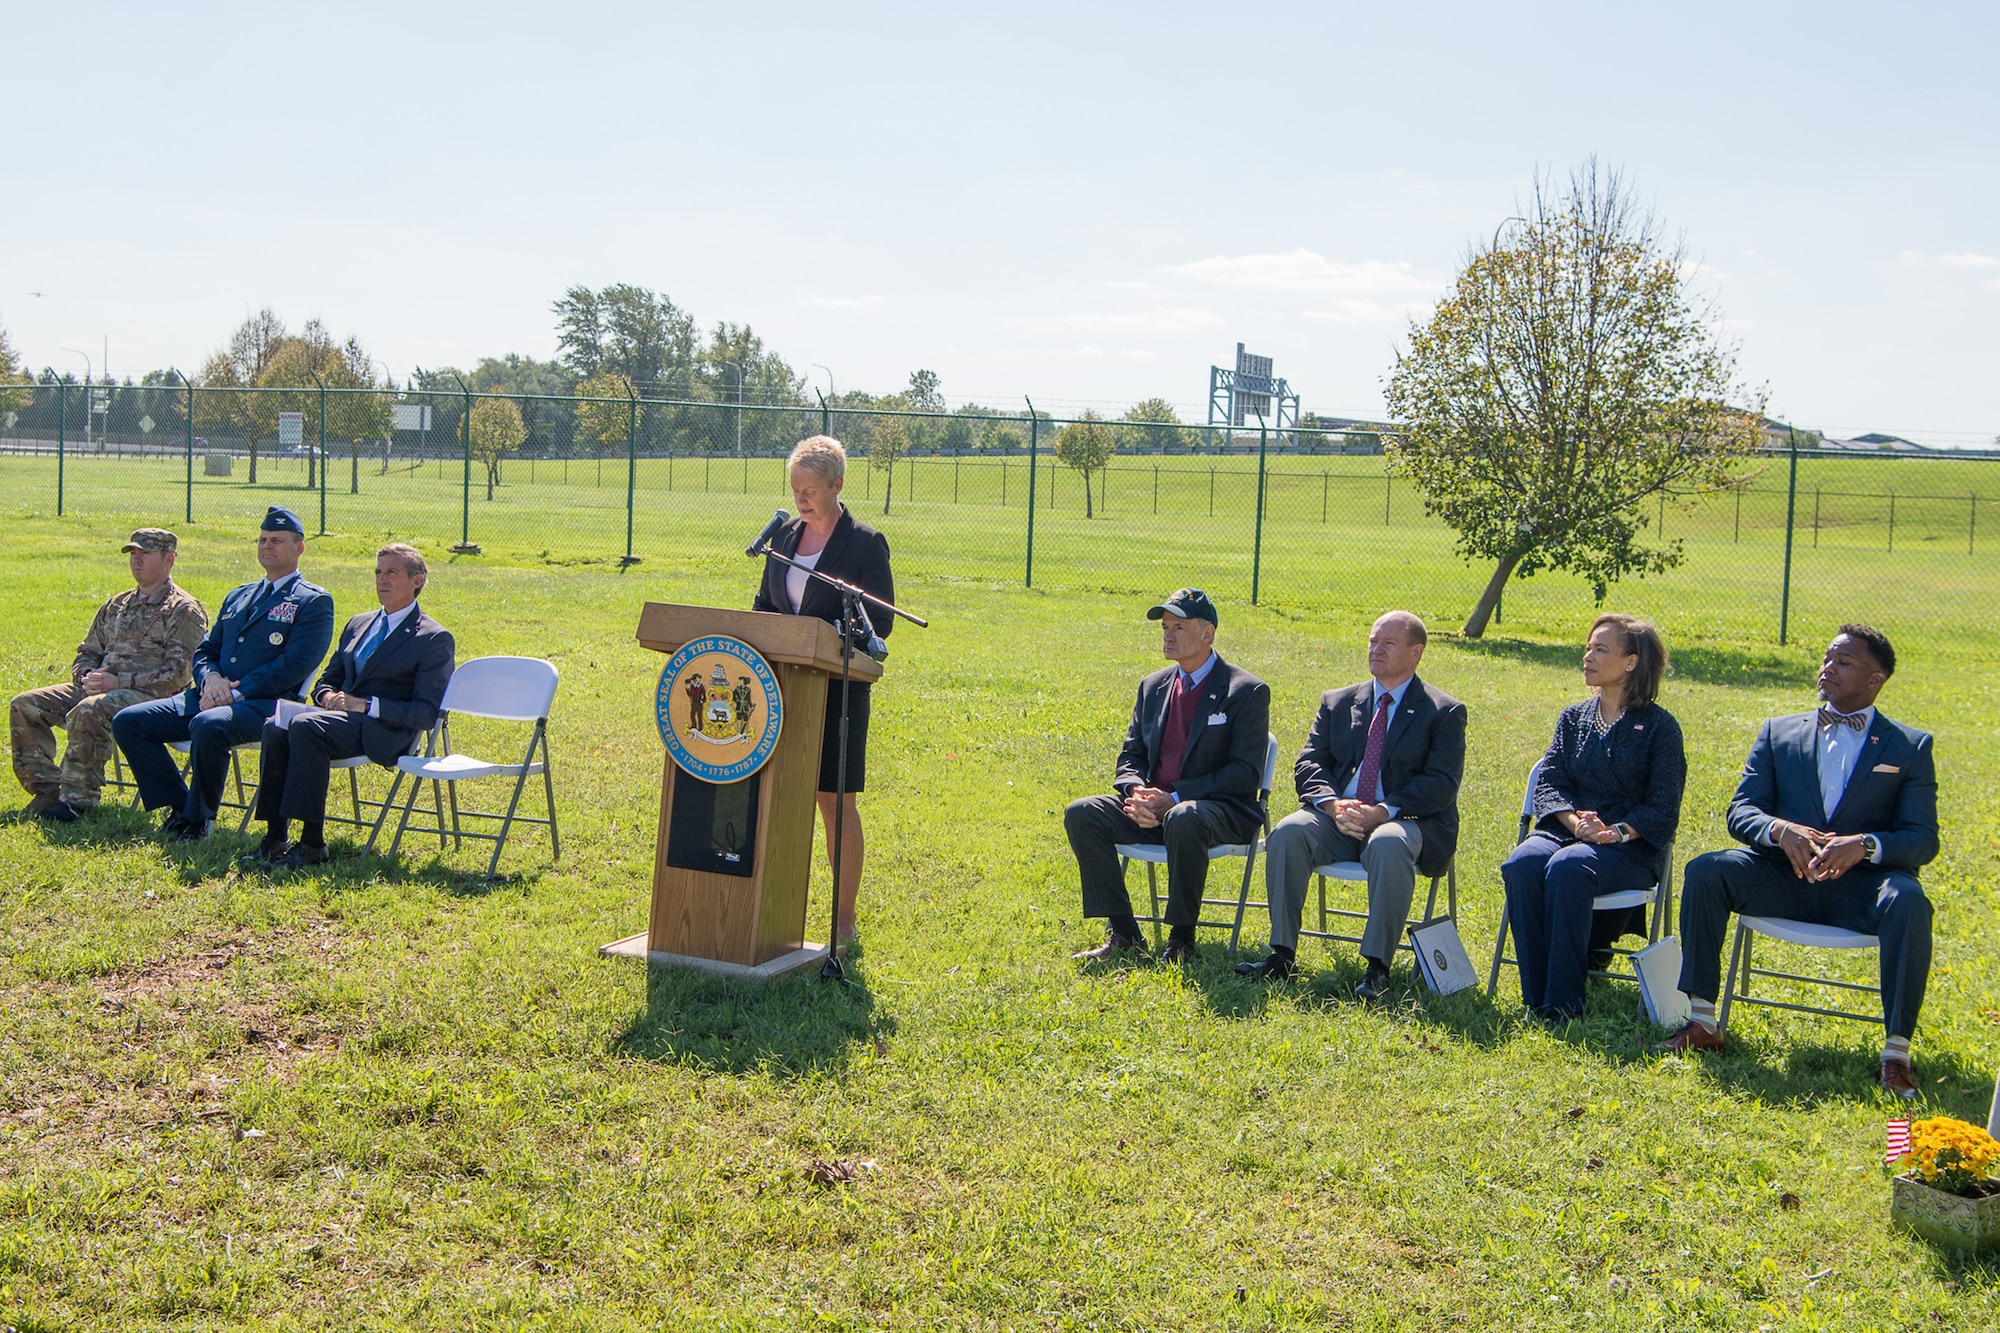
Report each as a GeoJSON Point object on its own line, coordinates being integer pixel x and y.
{"type": "Point", "coordinates": [924, 395]}
{"type": "Point", "coordinates": [604, 409]}
{"type": "Point", "coordinates": [292, 377]}
{"type": "Point", "coordinates": [1160, 430]}
{"type": "Point", "coordinates": [220, 406]}
{"type": "Point", "coordinates": [497, 430]}
{"type": "Point", "coordinates": [629, 330]}
{"type": "Point", "coordinates": [13, 397]}
{"type": "Point", "coordinates": [1567, 377]}
{"type": "Point", "coordinates": [1085, 444]}
{"type": "Point", "coordinates": [887, 442]}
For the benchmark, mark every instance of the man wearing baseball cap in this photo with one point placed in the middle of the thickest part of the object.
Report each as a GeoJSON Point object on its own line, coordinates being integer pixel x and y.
{"type": "Point", "coordinates": [1189, 777]}
{"type": "Point", "coordinates": [139, 648]}
{"type": "Point", "coordinates": [263, 647]}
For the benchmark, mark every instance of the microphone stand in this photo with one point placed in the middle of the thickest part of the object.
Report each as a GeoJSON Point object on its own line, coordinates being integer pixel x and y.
{"type": "Point", "coordinates": [854, 623]}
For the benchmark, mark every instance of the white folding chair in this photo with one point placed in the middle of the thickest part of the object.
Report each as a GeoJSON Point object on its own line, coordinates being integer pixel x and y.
{"type": "Point", "coordinates": [1737, 984]}
{"type": "Point", "coordinates": [1155, 855]}
{"type": "Point", "coordinates": [386, 804]}
{"type": "Point", "coordinates": [1354, 872]}
{"type": "Point", "coordinates": [510, 689]}
{"type": "Point", "coordinates": [1660, 897]}
{"type": "Point", "coordinates": [246, 802]}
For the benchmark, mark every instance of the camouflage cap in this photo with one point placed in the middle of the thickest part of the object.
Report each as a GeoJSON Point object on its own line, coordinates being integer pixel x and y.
{"type": "Point", "coordinates": [152, 539]}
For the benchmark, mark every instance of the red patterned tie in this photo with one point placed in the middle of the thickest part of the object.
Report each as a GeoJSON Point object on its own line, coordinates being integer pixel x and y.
{"type": "Point", "coordinates": [1367, 786]}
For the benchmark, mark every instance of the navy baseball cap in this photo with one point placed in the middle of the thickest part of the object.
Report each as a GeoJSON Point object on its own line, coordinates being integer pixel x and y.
{"type": "Point", "coordinates": [281, 519]}
{"type": "Point", "coordinates": [1188, 604]}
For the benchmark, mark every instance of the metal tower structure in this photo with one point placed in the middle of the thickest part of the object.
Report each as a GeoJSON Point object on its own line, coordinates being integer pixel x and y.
{"type": "Point", "coordinates": [1246, 395]}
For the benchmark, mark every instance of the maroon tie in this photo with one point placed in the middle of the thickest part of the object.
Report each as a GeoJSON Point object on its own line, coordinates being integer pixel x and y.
{"type": "Point", "coordinates": [1367, 785]}
{"type": "Point", "coordinates": [1174, 735]}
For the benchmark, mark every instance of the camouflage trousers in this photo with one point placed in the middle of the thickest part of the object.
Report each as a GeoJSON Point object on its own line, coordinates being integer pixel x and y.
{"type": "Point", "coordinates": [34, 716]}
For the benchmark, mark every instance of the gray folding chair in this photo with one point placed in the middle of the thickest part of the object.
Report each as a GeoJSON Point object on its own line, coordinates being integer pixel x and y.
{"type": "Point", "coordinates": [512, 689]}
{"type": "Point", "coordinates": [1812, 936]}
{"type": "Point", "coordinates": [1155, 856]}
{"type": "Point", "coordinates": [1660, 897]}
{"type": "Point", "coordinates": [1355, 873]}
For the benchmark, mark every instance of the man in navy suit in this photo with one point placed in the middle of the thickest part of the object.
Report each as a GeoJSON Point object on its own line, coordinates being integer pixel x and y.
{"type": "Point", "coordinates": [1838, 809]}
{"type": "Point", "coordinates": [381, 690]}
{"type": "Point", "coordinates": [1189, 777]}
{"type": "Point", "coordinates": [1378, 783]}
{"type": "Point", "coordinates": [265, 641]}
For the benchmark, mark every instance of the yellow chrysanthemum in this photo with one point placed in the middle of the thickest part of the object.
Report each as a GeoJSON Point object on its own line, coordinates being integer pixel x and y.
{"type": "Point", "coordinates": [1951, 1154]}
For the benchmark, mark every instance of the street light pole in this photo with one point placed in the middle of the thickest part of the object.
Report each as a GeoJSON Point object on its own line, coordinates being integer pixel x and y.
{"type": "Point", "coordinates": [739, 404]}
{"type": "Point", "coordinates": [829, 380]}
{"type": "Point", "coordinates": [89, 373]}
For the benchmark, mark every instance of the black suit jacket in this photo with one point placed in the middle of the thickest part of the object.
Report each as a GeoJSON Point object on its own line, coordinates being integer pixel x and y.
{"type": "Point", "coordinates": [407, 674]}
{"type": "Point", "coordinates": [856, 553]}
{"type": "Point", "coordinates": [1423, 760]}
{"type": "Point", "coordinates": [1641, 783]}
{"type": "Point", "coordinates": [1227, 741]}
{"type": "Point", "coordinates": [1892, 792]}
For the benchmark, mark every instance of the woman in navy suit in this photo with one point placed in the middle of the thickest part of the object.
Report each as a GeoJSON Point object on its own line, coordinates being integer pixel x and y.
{"type": "Point", "coordinates": [1605, 805]}
{"type": "Point", "coordinates": [826, 537]}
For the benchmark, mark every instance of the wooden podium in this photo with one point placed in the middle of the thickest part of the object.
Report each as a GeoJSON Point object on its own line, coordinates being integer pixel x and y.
{"type": "Point", "coordinates": [746, 921]}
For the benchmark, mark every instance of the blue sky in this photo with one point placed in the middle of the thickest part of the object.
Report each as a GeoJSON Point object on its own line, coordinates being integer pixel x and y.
{"type": "Point", "coordinates": [1083, 203]}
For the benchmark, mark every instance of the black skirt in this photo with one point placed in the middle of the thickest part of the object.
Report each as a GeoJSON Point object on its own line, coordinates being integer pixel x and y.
{"type": "Point", "coordinates": [857, 737]}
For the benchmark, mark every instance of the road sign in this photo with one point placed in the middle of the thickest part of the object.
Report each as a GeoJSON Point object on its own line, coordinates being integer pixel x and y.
{"type": "Point", "coordinates": [146, 424]}
{"type": "Point", "coordinates": [412, 416]}
{"type": "Point", "coordinates": [291, 428]}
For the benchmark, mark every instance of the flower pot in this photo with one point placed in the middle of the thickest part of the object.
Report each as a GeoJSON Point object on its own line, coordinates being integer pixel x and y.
{"type": "Point", "coordinates": [1949, 1221]}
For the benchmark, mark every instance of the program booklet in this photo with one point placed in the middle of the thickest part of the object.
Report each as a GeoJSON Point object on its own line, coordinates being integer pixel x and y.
{"type": "Point", "coordinates": [1659, 969]}
{"type": "Point", "coordinates": [1441, 956]}
{"type": "Point", "coordinates": [287, 710]}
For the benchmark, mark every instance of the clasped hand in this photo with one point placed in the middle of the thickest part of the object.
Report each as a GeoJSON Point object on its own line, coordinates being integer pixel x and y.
{"type": "Point", "coordinates": [100, 682]}
{"type": "Point", "coordinates": [1147, 806]}
{"type": "Point", "coordinates": [216, 692]}
{"type": "Point", "coordinates": [1817, 855]}
{"type": "Point", "coordinates": [1587, 827]}
{"type": "Point", "coordinates": [1357, 819]}
{"type": "Point", "coordinates": [338, 702]}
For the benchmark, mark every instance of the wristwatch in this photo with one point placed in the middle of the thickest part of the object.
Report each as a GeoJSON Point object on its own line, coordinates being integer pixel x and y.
{"type": "Point", "coordinates": [1871, 846]}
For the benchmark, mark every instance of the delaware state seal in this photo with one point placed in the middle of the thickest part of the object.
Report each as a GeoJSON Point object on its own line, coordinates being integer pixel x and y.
{"type": "Point", "coordinates": [718, 709]}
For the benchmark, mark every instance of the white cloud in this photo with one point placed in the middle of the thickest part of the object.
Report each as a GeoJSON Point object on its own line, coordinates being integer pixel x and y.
{"type": "Point", "coordinates": [844, 302]}
{"type": "Point", "coordinates": [1970, 261]}
{"type": "Point", "coordinates": [1306, 272]}
{"type": "Point", "coordinates": [1178, 320]}
{"type": "Point", "coordinates": [1365, 312]}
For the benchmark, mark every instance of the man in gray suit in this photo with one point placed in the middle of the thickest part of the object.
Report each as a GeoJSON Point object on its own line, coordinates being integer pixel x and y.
{"type": "Point", "coordinates": [1837, 810]}
{"type": "Point", "coordinates": [1378, 780]}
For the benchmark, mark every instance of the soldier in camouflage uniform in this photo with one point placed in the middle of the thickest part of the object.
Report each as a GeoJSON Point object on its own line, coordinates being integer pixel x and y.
{"type": "Point", "coordinates": [139, 648]}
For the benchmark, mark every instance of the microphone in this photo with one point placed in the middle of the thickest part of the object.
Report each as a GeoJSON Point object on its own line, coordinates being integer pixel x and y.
{"type": "Point", "coordinates": [763, 538]}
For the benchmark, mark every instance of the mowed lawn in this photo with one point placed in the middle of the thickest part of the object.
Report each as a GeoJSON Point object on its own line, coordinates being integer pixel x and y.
{"type": "Point", "coordinates": [389, 1097]}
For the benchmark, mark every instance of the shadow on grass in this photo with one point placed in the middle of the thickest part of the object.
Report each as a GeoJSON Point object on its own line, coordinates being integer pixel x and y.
{"type": "Point", "coordinates": [794, 1027]}
{"type": "Point", "coordinates": [1703, 664]}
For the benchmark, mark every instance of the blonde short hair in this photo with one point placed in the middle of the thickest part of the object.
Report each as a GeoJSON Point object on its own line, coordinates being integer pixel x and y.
{"type": "Point", "coordinates": [820, 455]}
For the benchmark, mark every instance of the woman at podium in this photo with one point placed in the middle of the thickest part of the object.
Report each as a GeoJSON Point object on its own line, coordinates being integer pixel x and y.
{"type": "Point", "coordinates": [826, 537]}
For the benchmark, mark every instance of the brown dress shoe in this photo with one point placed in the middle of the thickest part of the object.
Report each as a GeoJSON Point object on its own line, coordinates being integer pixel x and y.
{"type": "Point", "coordinates": [1177, 951]}
{"type": "Point", "coordinates": [1114, 944]}
{"type": "Point", "coordinates": [1692, 1037]}
{"type": "Point", "coordinates": [1898, 1079]}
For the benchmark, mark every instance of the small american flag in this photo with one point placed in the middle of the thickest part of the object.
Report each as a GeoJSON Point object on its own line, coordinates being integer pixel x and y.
{"type": "Point", "coordinates": [1898, 1146]}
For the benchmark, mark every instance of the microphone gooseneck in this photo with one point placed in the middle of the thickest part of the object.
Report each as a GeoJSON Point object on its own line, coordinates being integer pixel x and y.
{"type": "Point", "coordinates": [763, 538]}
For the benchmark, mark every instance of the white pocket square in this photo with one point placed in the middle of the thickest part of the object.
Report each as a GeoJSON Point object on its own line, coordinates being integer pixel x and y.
{"type": "Point", "coordinates": [1887, 768]}
{"type": "Point", "coordinates": [1217, 719]}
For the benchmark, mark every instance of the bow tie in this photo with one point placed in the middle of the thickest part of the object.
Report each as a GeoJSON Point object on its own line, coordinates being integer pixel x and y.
{"type": "Point", "coordinates": [1831, 718]}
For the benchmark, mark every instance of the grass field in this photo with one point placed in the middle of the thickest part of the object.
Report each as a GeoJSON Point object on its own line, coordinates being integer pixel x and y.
{"type": "Point", "coordinates": [387, 1097]}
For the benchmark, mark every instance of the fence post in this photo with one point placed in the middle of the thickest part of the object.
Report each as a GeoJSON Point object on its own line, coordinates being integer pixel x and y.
{"type": "Point", "coordinates": [322, 452]}
{"type": "Point", "coordinates": [1034, 435]}
{"type": "Point", "coordinates": [632, 474]}
{"type": "Point", "coordinates": [1388, 485]}
{"type": "Point", "coordinates": [62, 438]}
{"type": "Point", "coordinates": [1791, 500]}
{"type": "Point", "coordinates": [1892, 522]}
{"type": "Point", "coordinates": [1257, 542]}
{"type": "Point", "coordinates": [189, 433]}
{"type": "Point", "coordinates": [465, 546]}
{"type": "Point", "coordinates": [1972, 523]}
{"type": "Point", "coordinates": [825, 425]}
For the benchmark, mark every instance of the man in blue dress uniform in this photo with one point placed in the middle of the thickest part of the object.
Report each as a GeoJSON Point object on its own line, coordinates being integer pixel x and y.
{"type": "Point", "coordinates": [262, 647]}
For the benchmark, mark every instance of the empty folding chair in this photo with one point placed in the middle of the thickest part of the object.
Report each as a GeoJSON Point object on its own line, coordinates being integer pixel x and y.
{"type": "Point", "coordinates": [512, 689]}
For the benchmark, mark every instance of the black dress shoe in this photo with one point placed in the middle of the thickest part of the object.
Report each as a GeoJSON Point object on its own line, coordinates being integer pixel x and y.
{"type": "Point", "coordinates": [1375, 984]}
{"type": "Point", "coordinates": [268, 851]}
{"type": "Point", "coordinates": [191, 830]}
{"type": "Point", "coordinates": [59, 813]}
{"type": "Point", "coordinates": [1274, 968]}
{"type": "Point", "coordinates": [1177, 951]}
{"type": "Point", "coordinates": [1114, 944]}
{"type": "Point", "coordinates": [300, 857]}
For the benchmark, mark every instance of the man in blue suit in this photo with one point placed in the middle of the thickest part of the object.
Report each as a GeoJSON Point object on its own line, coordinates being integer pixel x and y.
{"type": "Point", "coordinates": [380, 691]}
{"type": "Point", "coordinates": [1838, 809]}
{"type": "Point", "coordinates": [262, 647]}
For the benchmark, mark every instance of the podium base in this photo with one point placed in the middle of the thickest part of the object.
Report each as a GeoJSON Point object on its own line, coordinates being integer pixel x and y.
{"type": "Point", "coordinates": [634, 946]}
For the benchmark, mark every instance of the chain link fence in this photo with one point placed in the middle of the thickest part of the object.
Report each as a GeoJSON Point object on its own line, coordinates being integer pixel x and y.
{"type": "Point", "coordinates": [1307, 520]}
